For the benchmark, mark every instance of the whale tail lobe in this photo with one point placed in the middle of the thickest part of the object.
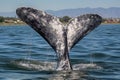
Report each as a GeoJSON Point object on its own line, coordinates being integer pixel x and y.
{"type": "Point", "coordinates": [60, 37]}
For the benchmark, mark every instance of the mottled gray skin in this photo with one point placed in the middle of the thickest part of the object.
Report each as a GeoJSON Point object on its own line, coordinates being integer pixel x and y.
{"type": "Point", "coordinates": [60, 37]}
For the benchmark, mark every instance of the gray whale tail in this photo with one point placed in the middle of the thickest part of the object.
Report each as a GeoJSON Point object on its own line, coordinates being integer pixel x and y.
{"type": "Point", "coordinates": [61, 37]}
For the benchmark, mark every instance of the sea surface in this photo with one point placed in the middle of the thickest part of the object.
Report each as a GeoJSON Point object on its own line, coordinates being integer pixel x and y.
{"type": "Point", "coordinates": [25, 55]}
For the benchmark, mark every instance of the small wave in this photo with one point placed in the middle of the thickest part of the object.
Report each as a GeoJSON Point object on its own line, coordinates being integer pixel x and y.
{"type": "Point", "coordinates": [1, 30]}
{"type": "Point", "coordinates": [99, 55]}
{"type": "Point", "coordinates": [16, 44]}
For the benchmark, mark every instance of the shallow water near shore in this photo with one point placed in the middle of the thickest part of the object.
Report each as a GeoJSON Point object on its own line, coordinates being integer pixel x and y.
{"type": "Point", "coordinates": [24, 55]}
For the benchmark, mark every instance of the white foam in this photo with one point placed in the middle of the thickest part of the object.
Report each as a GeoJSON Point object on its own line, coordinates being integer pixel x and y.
{"type": "Point", "coordinates": [41, 65]}
{"type": "Point", "coordinates": [86, 66]}
{"type": "Point", "coordinates": [34, 65]}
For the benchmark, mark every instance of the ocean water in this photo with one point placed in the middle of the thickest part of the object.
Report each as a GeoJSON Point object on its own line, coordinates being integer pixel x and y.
{"type": "Point", "coordinates": [24, 55]}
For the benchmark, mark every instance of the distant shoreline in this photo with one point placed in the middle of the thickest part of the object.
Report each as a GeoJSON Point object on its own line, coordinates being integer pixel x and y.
{"type": "Point", "coordinates": [12, 24]}
{"type": "Point", "coordinates": [21, 24]}
{"type": "Point", "coordinates": [110, 23]}
{"type": "Point", "coordinates": [12, 21]}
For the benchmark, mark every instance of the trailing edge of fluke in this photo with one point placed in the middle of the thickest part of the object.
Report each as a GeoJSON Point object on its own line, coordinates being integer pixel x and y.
{"type": "Point", "coordinates": [61, 37]}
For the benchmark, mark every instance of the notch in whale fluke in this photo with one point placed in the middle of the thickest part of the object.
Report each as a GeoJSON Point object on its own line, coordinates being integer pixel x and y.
{"type": "Point", "coordinates": [60, 37]}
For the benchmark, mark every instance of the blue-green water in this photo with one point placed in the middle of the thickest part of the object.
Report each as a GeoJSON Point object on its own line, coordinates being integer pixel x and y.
{"type": "Point", "coordinates": [24, 55]}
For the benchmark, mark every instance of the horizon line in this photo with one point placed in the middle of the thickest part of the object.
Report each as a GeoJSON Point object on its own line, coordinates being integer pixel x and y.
{"type": "Point", "coordinates": [68, 8]}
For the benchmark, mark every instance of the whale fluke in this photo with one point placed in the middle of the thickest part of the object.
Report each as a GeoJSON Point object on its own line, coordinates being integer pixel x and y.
{"type": "Point", "coordinates": [61, 37]}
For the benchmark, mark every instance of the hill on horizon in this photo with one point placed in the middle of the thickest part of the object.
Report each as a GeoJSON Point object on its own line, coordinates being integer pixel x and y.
{"type": "Point", "coordinates": [113, 12]}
